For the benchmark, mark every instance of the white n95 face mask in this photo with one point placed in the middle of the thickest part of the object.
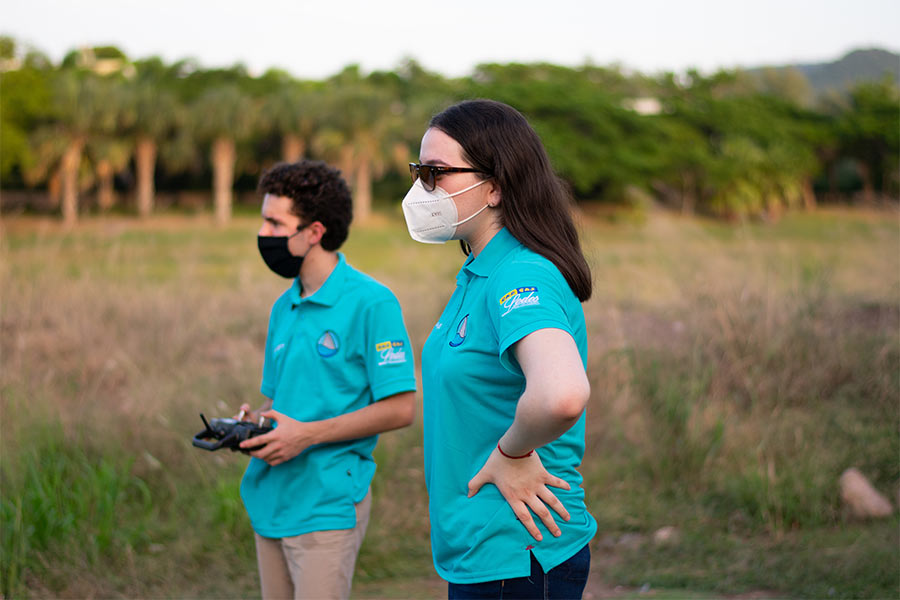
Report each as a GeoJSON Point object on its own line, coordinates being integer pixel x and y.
{"type": "Point", "coordinates": [431, 216]}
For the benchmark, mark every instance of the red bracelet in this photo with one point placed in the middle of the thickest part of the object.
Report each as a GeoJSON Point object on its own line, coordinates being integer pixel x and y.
{"type": "Point", "coordinates": [530, 452]}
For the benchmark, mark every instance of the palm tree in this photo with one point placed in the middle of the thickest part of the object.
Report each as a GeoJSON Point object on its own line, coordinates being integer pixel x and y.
{"type": "Point", "coordinates": [44, 161]}
{"type": "Point", "coordinates": [105, 148]}
{"type": "Point", "coordinates": [292, 113]}
{"type": "Point", "coordinates": [110, 156]}
{"type": "Point", "coordinates": [152, 114]}
{"type": "Point", "coordinates": [81, 104]}
{"type": "Point", "coordinates": [361, 134]}
{"type": "Point", "coordinates": [222, 116]}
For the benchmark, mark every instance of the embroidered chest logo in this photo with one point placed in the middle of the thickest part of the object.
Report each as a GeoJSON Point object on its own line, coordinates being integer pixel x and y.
{"type": "Point", "coordinates": [328, 344]}
{"type": "Point", "coordinates": [392, 352]}
{"type": "Point", "coordinates": [460, 336]}
{"type": "Point", "coordinates": [519, 297]}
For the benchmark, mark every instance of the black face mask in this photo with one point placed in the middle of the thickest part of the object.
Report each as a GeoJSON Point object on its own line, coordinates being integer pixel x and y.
{"type": "Point", "coordinates": [275, 253]}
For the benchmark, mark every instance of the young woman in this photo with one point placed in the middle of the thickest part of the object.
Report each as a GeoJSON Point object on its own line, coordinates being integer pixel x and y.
{"type": "Point", "coordinates": [503, 370]}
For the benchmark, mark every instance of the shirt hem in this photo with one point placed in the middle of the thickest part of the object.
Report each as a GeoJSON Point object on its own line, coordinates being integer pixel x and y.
{"type": "Point", "coordinates": [511, 574]}
{"type": "Point", "coordinates": [309, 528]}
{"type": "Point", "coordinates": [396, 387]}
{"type": "Point", "coordinates": [529, 328]}
{"type": "Point", "coordinates": [558, 557]}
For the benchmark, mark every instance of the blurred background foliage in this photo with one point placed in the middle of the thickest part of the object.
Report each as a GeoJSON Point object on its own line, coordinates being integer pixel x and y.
{"type": "Point", "coordinates": [102, 132]}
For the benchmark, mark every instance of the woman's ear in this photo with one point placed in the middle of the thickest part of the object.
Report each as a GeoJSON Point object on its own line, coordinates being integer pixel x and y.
{"type": "Point", "coordinates": [494, 196]}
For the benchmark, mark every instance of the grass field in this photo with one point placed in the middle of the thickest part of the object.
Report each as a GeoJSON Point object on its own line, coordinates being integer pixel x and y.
{"type": "Point", "coordinates": [736, 371]}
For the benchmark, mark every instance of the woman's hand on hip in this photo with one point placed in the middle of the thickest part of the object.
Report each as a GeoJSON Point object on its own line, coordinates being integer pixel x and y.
{"type": "Point", "coordinates": [523, 483]}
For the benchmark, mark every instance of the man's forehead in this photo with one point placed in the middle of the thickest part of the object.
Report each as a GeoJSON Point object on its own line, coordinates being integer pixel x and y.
{"type": "Point", "coordinates": [276, 206]}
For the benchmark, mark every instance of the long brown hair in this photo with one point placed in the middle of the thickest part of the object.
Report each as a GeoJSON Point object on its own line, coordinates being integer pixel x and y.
{"type": "Point", "coordinates": [534, 204]}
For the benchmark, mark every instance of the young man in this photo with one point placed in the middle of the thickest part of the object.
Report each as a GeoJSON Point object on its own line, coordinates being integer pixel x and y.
{"type": "Point", "coordinates": [338, 370]}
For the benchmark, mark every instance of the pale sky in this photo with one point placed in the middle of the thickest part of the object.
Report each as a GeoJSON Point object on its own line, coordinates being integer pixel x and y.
{"type": "Point", "coordinates": [316, 39]}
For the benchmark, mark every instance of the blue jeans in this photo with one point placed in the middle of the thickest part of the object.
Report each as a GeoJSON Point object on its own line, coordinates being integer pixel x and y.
{"type": "Point", "coordinates": [562, 581]}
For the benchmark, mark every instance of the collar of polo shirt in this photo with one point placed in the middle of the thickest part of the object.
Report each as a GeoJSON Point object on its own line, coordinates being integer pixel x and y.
{"type": "Point", "coordinates": [485, 263]}
{"type": "Point", "coordinates": [331, 290]}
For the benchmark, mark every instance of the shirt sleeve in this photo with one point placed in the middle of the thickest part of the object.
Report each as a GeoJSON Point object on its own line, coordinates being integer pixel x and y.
{"type": "Point", "coordinates": [525, 296]}
{"type": "Point", "coordinates": [389, 357]}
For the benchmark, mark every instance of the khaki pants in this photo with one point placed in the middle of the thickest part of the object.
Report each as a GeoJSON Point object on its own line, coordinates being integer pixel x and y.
{"type": "Point", "coordinates": [312, 566]}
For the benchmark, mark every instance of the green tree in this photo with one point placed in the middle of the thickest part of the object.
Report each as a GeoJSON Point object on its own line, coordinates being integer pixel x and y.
{"type": "Point", "coordinates": [222, 116]}
{"type": "Point", "coordinates": [80, 105]}
{"type": "Point", "coordinates": [291, 113]}
{"type": "Point", "coordinates": [869, 133]}
{"type": "Point", "coordinates": [758, 150]}
{"type": "Point", "coordinates": [152, 113]}
{"type": "Point", "coordinates": [417, 95]}
{"type": "Point", "coordinates": [361, 131]}
{"type": "Point", "coordinates": [597, 144]}
{"type": "Point", "coordinates": [45, 151]}
{"type": "Point", "coordinates": [110, 155]}
{"type": "Point", "coordinates": [25, 105]}
{"type": "Point", "coordinates": [685, 163]}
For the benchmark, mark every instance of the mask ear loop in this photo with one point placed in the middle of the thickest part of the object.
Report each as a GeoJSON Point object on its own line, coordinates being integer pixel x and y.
{"type": "Point", "coordinates": [300, 228]}
{"type": "Point", "coordinates": [476, 213]}
{"type": "Point", "coordinates": [472, 216]}
{"type": "Point", "coordinates": [463, 191]}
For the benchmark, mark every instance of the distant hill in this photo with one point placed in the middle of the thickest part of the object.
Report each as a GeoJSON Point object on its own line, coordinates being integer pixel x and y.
{"type": "Point", "coordinates": [840, 75]}
{"type": "Point", "coordinates": [859, 65]}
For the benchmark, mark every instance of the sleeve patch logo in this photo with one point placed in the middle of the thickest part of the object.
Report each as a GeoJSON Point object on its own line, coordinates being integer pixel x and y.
{"type": "Point", "coordinates": [519, 297]}
{"type": "Point", "coordinates": [391, 352]}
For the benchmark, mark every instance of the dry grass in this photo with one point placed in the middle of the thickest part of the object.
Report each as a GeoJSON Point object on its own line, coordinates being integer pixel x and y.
{"type": "Point", "coordinates": [736, 370]}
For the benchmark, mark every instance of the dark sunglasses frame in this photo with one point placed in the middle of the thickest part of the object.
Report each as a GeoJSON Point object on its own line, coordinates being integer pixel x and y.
{"type": "Point", "coordinates": [429, 173]}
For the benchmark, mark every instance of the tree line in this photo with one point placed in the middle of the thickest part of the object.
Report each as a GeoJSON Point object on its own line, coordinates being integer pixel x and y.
{"type": "Point", "coordinates": [727, 144]}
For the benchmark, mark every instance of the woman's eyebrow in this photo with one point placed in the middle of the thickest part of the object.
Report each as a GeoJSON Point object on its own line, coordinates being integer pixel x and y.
{"type": "Point", "coordinates": [435, 163]}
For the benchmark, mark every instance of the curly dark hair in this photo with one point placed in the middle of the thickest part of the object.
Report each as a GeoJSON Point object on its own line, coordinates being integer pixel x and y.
{"type": "Point", "coordinates": [318, 192]}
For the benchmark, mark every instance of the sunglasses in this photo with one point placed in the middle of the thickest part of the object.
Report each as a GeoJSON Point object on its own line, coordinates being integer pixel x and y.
{"type": "Point", "coordinates": [428, 173]}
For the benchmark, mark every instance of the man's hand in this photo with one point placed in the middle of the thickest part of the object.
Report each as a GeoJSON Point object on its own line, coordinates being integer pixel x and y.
{"type": "Point", "coordinates": [523, 482]}
{"type": "Point", "coordinates": [286, 441]}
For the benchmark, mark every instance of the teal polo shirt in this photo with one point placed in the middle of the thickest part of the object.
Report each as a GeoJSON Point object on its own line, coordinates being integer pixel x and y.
{"type": "Point", "coordinates": [333, 352]}
{"type": "Point", "coordinates": [471, 383]}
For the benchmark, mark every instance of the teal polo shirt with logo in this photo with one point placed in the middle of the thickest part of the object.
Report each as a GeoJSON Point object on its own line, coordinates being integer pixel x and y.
{"type": "Point", "coordinates": [333, 352]}
{"type": "Point", "coordinates": [471, 383]}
